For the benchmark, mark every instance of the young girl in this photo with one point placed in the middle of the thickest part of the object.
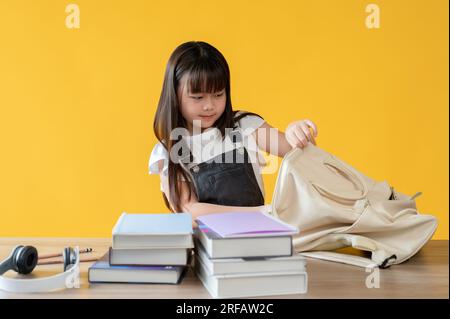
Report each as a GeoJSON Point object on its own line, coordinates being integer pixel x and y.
{"type": "Point", "coordinates": [196, 98]}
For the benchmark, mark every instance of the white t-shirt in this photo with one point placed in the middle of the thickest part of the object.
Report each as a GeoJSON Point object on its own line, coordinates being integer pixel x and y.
{"type": "Point", "coordinates": [248, 124]}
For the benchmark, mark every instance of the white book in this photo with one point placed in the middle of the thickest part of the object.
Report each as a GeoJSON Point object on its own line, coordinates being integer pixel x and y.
{"type": "Point", "coordinates": [249, 265]}
{"type": "Point", "coordinates": [168, 256]}
{"type": "Point", "coordinates": [252, 285]}
{"type": "Point", "coordinates": [218, 247]}
{"type": "Point", "coordinates": [103, 272]}
{"type": "Point", "coordinates": [140, 231]}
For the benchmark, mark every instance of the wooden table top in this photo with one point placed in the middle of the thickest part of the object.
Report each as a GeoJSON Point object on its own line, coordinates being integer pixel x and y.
{"type": "Point", "coordinates": [423, 276]}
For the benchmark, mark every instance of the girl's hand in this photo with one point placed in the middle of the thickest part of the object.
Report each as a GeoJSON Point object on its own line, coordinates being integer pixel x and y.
{"type": "Point", "coordinates": [298, 133]}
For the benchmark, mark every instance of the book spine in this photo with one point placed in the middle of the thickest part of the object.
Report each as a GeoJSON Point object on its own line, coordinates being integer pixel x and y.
{"type": "Point", "coordinates": [116, 227]}
{"type": "Point", "coordinates": [205, 242]}
{"type": "Point", "coordinates": [89, 275]}
{"type": "Point", "coordinates": [292, 246]}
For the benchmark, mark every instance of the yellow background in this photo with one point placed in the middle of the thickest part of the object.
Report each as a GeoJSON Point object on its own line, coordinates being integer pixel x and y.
{"type": "Point", "coordinates": [77, 106]}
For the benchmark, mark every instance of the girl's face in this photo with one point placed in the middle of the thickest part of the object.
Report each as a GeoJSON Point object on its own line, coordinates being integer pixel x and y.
{"type": "Point", "coordinates": [203, 107]}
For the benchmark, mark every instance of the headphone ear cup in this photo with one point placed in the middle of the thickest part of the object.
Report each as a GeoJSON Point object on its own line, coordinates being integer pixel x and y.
{"type": "Point", "coordinates": [25, 259]}
{"type": "Point", "coordinates": [66, 257]}
{"type": "Point", "coordinates": [69, 257]}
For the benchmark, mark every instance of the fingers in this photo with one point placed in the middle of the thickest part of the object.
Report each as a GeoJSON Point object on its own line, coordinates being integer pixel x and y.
{"type": "Point", "coordinates": [299, 133]}
{"type": "Point", "coordinates": [307, 132]}
{"type": "Point", "coordinates": [313, 126]}
{"type": "Point", "coordinates": [292, 139]}
{"type": "Point", "coordinates": [302, 140]}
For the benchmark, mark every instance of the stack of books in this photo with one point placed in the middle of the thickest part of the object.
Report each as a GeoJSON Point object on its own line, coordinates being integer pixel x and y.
{"type": "Point", "coordinates": [247, 254]}
{"type": "Point", "coordinates": [147, 248]}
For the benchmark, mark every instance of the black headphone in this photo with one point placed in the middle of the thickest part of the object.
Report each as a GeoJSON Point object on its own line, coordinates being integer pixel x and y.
{"type": "Point", "coordinates": [23, 259]}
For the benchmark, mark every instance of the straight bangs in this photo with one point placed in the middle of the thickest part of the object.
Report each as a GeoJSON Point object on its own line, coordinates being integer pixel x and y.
{"type": "Point", "coordinates": [206, 76]}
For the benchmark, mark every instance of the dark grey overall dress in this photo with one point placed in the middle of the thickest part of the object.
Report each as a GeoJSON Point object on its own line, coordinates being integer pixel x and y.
{"type": "Point", "coordinates": [226, 179]}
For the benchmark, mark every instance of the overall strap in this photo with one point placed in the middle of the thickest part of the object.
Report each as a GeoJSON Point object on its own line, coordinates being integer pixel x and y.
{"type": "Point", "coordinates": [187, 161]}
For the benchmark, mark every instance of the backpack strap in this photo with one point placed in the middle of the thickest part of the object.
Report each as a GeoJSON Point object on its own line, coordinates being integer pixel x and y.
{"type": "Point", "coordinates": [341, 258]}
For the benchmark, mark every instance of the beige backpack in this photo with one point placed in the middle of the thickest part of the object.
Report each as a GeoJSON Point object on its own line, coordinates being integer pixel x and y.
{"type": "Point", "coordinates": [335, 206]}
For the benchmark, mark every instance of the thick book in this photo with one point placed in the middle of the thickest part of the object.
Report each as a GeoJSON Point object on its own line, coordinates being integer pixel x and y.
{"type": "Point", "coordinates": [252, 285]}
{"type": "Point", "coordinates": [102, 272]}
{"type": "Point", "coordinates": [165, 257]}
{"type": "Point", "coordinates": [219, 247]}
{"type": "Point", "coordinates": [246, 224]}
{"type": "Point", "coordinates": [140, 231]}
{"type": "Point", "coordinates": [249, 265]}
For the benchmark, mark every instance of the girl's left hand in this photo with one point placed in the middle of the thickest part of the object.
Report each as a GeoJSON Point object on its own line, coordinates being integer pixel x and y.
{"type": "Point", "coordinates": [298, 133]}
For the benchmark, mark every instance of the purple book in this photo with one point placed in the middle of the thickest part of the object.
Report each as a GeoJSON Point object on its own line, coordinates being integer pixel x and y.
{"type": "Point", "coordinates": [246, 224]}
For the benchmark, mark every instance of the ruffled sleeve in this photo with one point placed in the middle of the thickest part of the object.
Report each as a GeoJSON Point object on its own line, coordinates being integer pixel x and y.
{"type": "Point", "coordinates": [159, 153]}
{"type": "Point", "coordinates": [249, 123]}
